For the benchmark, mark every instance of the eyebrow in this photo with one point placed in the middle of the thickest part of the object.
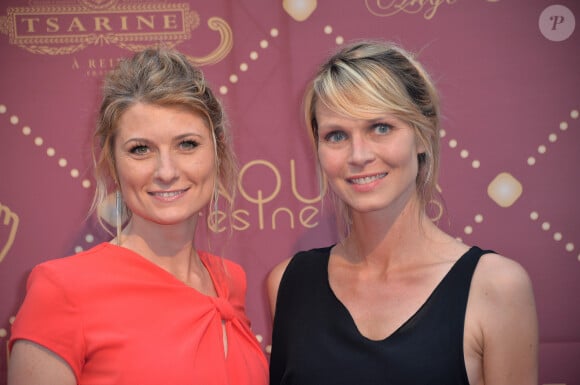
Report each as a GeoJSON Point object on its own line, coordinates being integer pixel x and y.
{"type": "Point", "coordinates": [176, 138]}
{"type": "Point", "coordinates": [189, 134]}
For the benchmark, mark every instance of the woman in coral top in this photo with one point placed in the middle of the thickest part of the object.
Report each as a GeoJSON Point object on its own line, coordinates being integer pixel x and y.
{"type": "Point", "coordinates": [148, 307]}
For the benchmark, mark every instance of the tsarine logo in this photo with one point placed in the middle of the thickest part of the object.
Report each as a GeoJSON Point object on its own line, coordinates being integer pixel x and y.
{"type": "Point", "coordinates": [65, 28]}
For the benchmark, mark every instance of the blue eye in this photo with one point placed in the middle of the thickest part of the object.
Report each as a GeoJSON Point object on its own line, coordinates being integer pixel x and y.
{"type": "Point", "coordinates": [382, 128]}
{"type": "Point", "coordinates": [335, 136]}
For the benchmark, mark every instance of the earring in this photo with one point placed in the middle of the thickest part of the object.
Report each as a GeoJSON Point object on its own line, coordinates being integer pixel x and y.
{"type": "Point", "coordinates": [215, 198]}
{"type": "Point", "coordinates": [119, 214]}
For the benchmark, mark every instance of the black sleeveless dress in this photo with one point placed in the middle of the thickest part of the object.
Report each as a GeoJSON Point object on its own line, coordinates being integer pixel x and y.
{"type": "Point", "coordinates": [316, 342]}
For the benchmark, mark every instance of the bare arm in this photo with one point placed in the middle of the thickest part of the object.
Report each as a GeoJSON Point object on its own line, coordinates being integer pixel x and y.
{"type": "Point", "coordinates": [508, 320]}
{"type": "Point", "coordinates": [32, 364]}
{"type": "Point", "coordinates": [273, 283]}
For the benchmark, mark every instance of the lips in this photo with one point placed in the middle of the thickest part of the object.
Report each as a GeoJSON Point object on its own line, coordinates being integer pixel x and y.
{"type": "Point", "coordinates": [366, 179]}
{"type": "Point", "coordinates": [168, 195]}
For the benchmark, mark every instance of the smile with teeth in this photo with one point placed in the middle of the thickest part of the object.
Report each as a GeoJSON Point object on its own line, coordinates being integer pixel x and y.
{"type": "Point", "coordinates": [167, 194]}
{"type": "Point", "coordinates": [367, 179]}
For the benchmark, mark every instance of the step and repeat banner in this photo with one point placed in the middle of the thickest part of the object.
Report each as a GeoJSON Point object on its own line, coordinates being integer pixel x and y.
{"type": "Point", "coordinates": [509, 76]}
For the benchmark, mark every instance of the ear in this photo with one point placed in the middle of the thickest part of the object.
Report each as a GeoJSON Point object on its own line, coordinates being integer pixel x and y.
{"type": "Point", "coordinates": [420, 146]}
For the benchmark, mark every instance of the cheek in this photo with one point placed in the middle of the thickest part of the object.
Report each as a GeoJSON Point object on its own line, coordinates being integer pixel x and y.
{"type": "Point", "coordinates": [122, 171]}
{"type": "Point", "coordinates": [128, 181]}
{"type": "Point", "coordinates": [329, 161]}
{"type": "Point", "coordinates": [201, 167]}
{"type": "Point", "coordinates": [132, 173]}
{"type": "Point", "coordinates": [405, 150]}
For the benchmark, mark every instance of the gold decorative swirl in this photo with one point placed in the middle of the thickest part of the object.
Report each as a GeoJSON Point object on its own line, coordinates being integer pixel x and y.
{"type": "Point", "coordinates": [392, 7]}
{"type": "Point", "coordinates": [11, 220]}
{"type": "Point", "coordinates": [223, 49]}
{"type": "Point", "coordinates": [98, 4]}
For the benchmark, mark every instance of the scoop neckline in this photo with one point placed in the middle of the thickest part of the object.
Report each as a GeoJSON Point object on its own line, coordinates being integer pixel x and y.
{"type": "Point", "coordinates": [407, 321]}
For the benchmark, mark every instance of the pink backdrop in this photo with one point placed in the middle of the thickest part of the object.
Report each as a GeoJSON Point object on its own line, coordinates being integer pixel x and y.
{"type": "Point", "coordinates": [509, 76]}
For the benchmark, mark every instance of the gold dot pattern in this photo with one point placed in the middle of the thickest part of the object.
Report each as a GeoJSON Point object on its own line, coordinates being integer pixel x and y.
{"type": "Point", "coordinates": [338, 39]}
{"type": "Point", "coordinates": [4, 332]}
{"type": "Point", "coordinates": [463, 153]}
{"type": "Point", "coordinates": [505, 189]}
{"type": "Point", "coordinates": [245, 67]}
{"type": "Point", "coordinates": [38, 141]}
{"type": "Point", "coordinates": [89, 239]}
{"type": "Point", "coordinates": [477, 219]}
{"type": "Point", "coordinates": [552, 138]}
{"type": "Point", "coordinates": [557, 236]}
{"type": "Point", "coordinates": [542, 150]}
{"type": "Point", "coordinates": [62, 162]}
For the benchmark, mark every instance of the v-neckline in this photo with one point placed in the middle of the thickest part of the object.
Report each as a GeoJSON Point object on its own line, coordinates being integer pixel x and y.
{"type": "Point", "coordinates": [414, 315]}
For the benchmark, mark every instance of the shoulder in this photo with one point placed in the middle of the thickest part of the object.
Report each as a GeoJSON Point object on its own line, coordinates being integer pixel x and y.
{"type": "Point", "coordinates": [501, 320]}
{"type": "Point", "coordinates": [313, 256]}
{"type": "Point", "coordinates": [295, 263]}
{"type": "Point", "coordinates": [228, 276]}
{"type": "Point", "coordinates": [78, 260]}
{"type": "Point", "coordinates": [501, 297]}
{"type": "Point", "coordinates": [69, 268]}
{"type": "Point", "coordinates": [307, 258]}
{"type": "Point", "coordinates": [496, 274]}
{"type": "Point", "coordinates": [218, 264]}
{"type": "Point", "coordinates": [275, 276]}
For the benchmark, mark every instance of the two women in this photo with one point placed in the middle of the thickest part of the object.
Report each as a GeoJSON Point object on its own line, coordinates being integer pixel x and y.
{"type": "Point", "coordinates": [395, 301]}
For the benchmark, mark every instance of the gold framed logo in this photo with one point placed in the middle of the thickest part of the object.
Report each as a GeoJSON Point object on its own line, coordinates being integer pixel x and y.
{"type": "Point", "coordinates": [68, 27]}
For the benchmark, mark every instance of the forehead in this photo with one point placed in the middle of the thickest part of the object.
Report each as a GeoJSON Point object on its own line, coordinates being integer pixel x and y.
{"type": "Point", "coordinates": [325, 113]}
{"type": "Point", "coordinates": [358, 101]}
{"type": "Point", "coordinates": [160, 120]}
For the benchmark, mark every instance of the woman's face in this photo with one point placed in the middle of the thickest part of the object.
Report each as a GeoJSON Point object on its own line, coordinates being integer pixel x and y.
{"type": "Point", "coordinates": [165, 162]}
{"type": "Point", "coordinates": [371, 164]}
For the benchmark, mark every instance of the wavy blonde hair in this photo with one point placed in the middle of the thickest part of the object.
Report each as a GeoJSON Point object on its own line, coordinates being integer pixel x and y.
{"type": "Point", "coordinates": [162, 77]}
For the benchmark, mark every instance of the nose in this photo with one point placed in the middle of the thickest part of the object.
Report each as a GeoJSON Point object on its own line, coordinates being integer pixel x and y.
{"type": "Point", "coordinates": [361, 150]}
{"type": "Point", "coordinates": [167, 170]}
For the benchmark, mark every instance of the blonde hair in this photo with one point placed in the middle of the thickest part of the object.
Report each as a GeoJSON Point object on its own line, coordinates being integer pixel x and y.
{"type": "Point", "coordinates": [161, 77]}
{"type": "Point", "coordinates": [372, 77]}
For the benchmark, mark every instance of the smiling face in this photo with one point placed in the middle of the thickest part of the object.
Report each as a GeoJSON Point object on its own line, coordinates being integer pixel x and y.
{"type": "Point", "coordinates": [371, 164]}
{"type": "Point", "coordinates": [165, 163]}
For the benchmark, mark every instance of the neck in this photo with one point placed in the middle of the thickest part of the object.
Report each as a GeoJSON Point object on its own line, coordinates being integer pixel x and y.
{"type": "Point", "coordinates": [389, 238]}
{"type": "Point", "coordinates": [169, 246]}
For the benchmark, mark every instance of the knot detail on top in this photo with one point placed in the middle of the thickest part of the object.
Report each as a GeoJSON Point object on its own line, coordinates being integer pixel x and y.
{"type": "Point", "coordinates": [225, 308]}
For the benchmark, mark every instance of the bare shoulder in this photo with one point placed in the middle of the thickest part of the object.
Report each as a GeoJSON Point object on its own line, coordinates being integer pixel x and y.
{"type": "Point", "coordinates": [273, 282]}
{"type": "Point", "coordinates": [277, 272]}
{"type": "Point", "coordinates": [501, 323]}
{"type": "Point", "coordinates": [501, 284]}
{"type": "Point", "coordinates": [496, 274]}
